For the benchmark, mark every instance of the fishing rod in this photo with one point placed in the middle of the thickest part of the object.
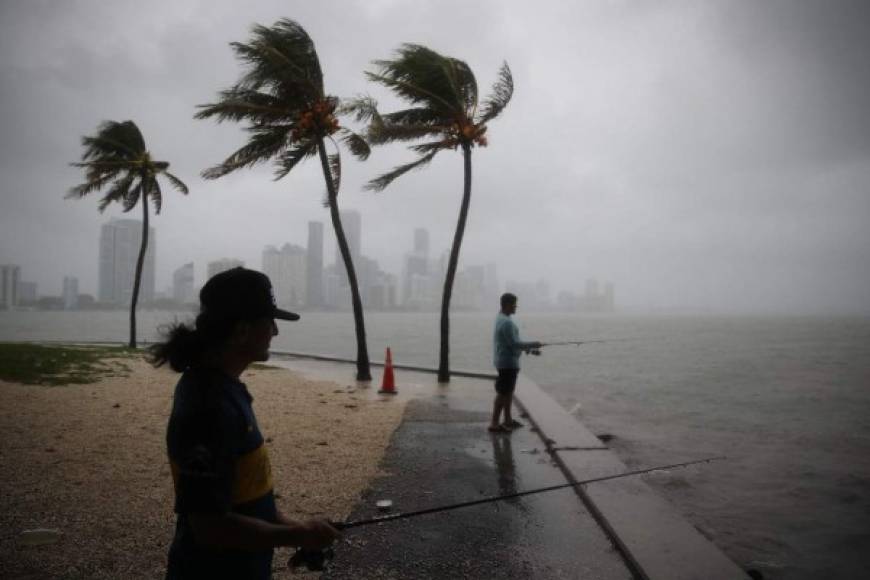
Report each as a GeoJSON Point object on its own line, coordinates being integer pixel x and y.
{"type": "Point", "coordinates": [537, 351]}
{"type": "Point", "coordinates": [316, 558]}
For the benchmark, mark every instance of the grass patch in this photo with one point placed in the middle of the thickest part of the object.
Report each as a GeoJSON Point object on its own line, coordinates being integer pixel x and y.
{"type": "Point", "coordinates": [40, 364]}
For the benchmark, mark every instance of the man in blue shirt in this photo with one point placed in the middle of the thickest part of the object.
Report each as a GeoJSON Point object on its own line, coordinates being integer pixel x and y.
{"type": "Point", "coordinates": [507, 348]}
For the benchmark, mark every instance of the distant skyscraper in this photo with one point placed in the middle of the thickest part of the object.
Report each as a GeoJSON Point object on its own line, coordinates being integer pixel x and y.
{"type": "Point", "coordinates": [421, 242]}
{"type": "Point", "coordinates": [70, 292]}
{"type": "Point", "coordinates": [183, 291]}
{"type": "Point", "coordinates": [120, 240]}
{"type": "Point", "coordinates": [9, 275]}
{"type": "Point", "coordinates": [416, 280]}
{"type": "Point", "coordinates": [314, 265]}
{"type": "Point", "coordinates": [222, 265]}
{"type": "Point", "coordinates": [26, 293]}
{"type": "Point", "coordinates": [287, 269]}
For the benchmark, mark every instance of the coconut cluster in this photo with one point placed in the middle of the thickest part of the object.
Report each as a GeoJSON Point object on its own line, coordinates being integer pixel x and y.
{"type": "Point", "coordinates": [468, 133]}
{"type": "Point", "coordinates": [318, 120]}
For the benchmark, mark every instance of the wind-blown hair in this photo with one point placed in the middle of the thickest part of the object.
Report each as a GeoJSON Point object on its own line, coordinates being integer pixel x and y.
{"type": "Point", "coordinates": [186, 345]}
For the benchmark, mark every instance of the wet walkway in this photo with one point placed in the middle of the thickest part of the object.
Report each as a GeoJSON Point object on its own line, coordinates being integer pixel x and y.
{"type": "Point", "coordinates": [442, 454]}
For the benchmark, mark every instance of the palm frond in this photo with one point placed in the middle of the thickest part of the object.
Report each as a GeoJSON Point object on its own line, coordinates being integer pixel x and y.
{"type": "Point", "coordinates": [176, 183]}
{"type": "Point", "coordinates": [380, 183]}
{"type": "Point", "coordinates": [463, 83]}
{"type": "Point", "coordinates": [357, 144]}
{"type": "Point", "coordinates": [424, 148]}
{"type": "Point", "coordinates": [155, 192]}
{"type": "Point", "coordinates": [121, 188]}
{"type": "Point", "coordinates": [283, 59]}
{"type": "Point", "coordinates": [422, 76]}
{"type": "Point", "coordinates": [238, 104]}
{"type": "Point", "coordinates": [412, 93]}
{"type": "Point", "coordinates": [382, 133]}
{"type": "Point", "coordinates": [131, 196]}
{"type": "Point", "coordinates": [414, 116]}
{"type": "Point", "coordinates": [362, 108]}
{"type": "Point", "coordinates": [266, 142]}
{"type": "Point", "coordinates": [90, 186]}
{"type": "Point", "coordinates": [117, 194]}
{"type": "Point", "coordinates": [288, 159]}
{"type": "Point", "coordinates": [502, 91]}
{"type": "Point", "coordinates": [114, 140]}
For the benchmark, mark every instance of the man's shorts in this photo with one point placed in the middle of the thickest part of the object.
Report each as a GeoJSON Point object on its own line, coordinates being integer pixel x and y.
{"type": "Point", "coordinates": [506, 381]}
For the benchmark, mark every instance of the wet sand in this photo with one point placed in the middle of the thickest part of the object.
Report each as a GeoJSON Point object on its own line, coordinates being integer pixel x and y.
{"type": "Point", "coordinates": [90, 461]}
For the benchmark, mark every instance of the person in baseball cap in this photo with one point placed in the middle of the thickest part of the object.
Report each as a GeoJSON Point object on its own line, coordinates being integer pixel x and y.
{"type": "Point", "coordinates": [243, 293]}
{"type": "Point", "coordinates": [227, 523]}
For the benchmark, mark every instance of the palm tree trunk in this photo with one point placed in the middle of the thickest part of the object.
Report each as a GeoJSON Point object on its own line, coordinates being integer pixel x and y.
{"type": "Point", "coordinates": [139, 263]}
{"type": "Point", "coordinates": [444, 358]}
{"type": "Point", "coordinates": [363, 372]}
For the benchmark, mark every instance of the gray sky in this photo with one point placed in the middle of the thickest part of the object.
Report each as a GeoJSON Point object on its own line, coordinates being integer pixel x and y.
{"type": "Point", "coordinates": [701, 155]}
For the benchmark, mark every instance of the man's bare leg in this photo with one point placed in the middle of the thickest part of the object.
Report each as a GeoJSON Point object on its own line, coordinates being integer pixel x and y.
{"type": "Point", "coordinates": [497, 408]}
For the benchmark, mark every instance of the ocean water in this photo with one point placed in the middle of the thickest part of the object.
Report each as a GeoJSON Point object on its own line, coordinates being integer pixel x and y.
{"type": "Point", "coordinates": [787, 400]}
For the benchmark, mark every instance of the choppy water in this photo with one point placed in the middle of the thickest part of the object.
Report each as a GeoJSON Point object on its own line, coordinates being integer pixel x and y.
{"type": "Point", "coordinates": [786, 399]}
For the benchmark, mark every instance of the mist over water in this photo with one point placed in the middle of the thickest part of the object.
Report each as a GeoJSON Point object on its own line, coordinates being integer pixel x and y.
{"type": "Point", "coordinates": [785, 399]}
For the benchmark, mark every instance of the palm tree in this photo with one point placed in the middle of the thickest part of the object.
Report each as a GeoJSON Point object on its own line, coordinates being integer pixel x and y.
{"type": "Point", "coordinates": [116, 157]}
{"type": "Point", "coordinates": [290, 117]}
{"type": "Point", "coordinates": [444, 113]}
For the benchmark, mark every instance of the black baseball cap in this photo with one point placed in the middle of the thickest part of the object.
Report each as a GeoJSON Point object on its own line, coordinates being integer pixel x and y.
{"type": "Point", "coordinates": [242, 293]}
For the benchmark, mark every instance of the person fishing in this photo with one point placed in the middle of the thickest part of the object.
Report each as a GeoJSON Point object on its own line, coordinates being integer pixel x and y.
{"type": "Point", "coordinates": [227, 521]}
{"type": "Point", "coordinates": [507, 348]}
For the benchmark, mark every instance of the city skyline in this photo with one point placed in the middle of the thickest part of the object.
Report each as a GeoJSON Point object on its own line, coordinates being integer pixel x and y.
{"type": "Point", "coordinates": [292, 269]}
{"type": "Point", "coordinates": [685, 150]}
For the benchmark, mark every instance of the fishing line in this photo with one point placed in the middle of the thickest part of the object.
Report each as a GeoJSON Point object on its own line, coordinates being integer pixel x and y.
{"type": "Point", "coordinates": [316, 559]}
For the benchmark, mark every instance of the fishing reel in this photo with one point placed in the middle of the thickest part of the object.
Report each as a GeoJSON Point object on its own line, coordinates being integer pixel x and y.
{"type": "Point", "coordinates": [313, 560]}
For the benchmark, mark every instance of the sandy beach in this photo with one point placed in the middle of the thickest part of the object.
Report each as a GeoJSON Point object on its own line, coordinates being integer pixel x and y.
{"type": "Point", "coordinates": [90, 461]}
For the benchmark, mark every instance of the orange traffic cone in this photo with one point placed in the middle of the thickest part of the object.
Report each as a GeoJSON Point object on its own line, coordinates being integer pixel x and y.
{"type": "Point", "coordinates": [388, 384]}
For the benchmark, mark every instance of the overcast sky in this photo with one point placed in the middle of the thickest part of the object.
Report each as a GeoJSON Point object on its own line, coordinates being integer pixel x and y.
{"type": "Point", "coordinates": [701, 155]}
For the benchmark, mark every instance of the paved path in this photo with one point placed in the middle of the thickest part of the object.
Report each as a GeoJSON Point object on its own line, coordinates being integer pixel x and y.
{"type": "Point", "coordinates": [443, 454]}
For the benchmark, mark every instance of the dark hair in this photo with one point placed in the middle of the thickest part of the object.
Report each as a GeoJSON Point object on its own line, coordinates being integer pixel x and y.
{"type": "Point", "coordinates": [507, 299]}
{"type": "Point", "coordinates": [185, 345]}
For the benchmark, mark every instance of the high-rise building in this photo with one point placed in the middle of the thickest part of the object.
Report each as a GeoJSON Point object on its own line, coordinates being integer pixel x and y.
{"type": "Point", "coordinates": [287, 269]}
{"type": "Point", "coordinates": [421, 241]}
{"type": "Point", "coordinates": [9, 275]}
{"type": "Point", "coordinates": [468, 288]}
{"type": "Point", "coordinates": [183, 291]}
{"type": "Point", "coordinates": [70, 293]}
{"type": "Point", "coordinates": [416, 275]}
{"type": "Point", "coordinates": [223, 265]}
{"type": "Point", "coordinates": [120, 242]}
{"type": "Point", "coordinates": [26, 293]}
{"type": "Point", "coordinates": [314, 266]}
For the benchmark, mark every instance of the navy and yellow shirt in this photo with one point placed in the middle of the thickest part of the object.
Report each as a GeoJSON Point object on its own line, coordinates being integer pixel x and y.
{"type": "Point", "coordinates": [219, 465]}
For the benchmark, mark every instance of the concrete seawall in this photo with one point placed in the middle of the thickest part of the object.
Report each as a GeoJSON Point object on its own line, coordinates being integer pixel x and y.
{"type": "Point", "coordinates": [658, 542]}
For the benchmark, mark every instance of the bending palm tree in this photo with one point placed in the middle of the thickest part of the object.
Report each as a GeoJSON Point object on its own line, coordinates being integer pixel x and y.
{"type": "Point", "coordinates": [281, 96]}
{"type": "Point", "coordinates": [116, 157]}
{"type": "Point", "coordinates": [444, 113]}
